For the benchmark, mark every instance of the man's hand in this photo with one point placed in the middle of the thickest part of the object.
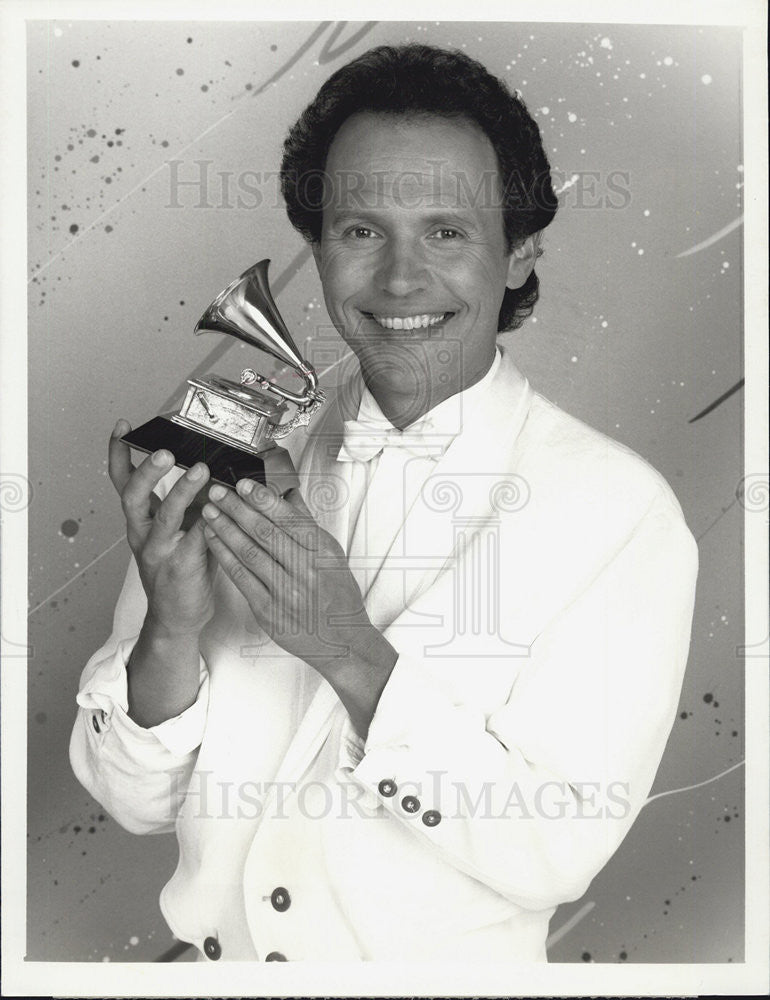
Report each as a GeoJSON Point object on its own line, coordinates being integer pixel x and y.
{"type": "Point", "coordinates": [175, 566]}
{"type": "Point", "coordinates": [296, 580]}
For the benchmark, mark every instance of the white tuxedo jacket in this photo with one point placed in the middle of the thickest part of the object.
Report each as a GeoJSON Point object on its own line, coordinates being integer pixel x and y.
{"type": "Point", "coordinates": [540, 595]}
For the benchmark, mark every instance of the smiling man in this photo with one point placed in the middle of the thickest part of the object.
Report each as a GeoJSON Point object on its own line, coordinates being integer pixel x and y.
{"type": "Point", "coordinates": [407, 710]}
{"type": "Point", "coordinates": [406, 248]}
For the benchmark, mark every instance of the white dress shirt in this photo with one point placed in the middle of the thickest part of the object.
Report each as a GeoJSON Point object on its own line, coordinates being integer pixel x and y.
{"type": "Point", "coordinates": [435, 431]}
{"type": "Point", "coordinates": [383, 488]}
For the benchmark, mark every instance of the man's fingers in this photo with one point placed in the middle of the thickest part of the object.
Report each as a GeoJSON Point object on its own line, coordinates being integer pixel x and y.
{"type": "Point", "coordinates": [119, 464]}
{"type": "Point", "coordinates": [263, 529]}
{"type": "Point", "coordinates": [191, 541]}
{"type": "Point", "coordinates": [137, 492]}
{"type": "Point", "coordinates": [237, 554]}
{"type": "Point", "coordinates": [194, 508]}
{"type": "Point", "coordinates": [121, 469]}
{"type": "Point", "coordinates": [145, 512]}
{"type": "Point", "coordinates": [170, 515]}
{"type": "Point", "coordinates": [289, 512]}
{"type": "Point", "coordinates": [252, 541]}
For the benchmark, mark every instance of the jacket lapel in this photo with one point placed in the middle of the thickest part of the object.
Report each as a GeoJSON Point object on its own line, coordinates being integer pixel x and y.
{"type": "Point", "coordinates": [325, 482]}
{"type": "Point", "coordinates": [310, 735]}
{"type": "Point", "coordinates": [466, 488]}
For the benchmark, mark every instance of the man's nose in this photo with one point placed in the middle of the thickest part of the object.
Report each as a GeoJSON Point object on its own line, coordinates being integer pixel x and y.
{"type": "Point", "coordinates": [403, 268]}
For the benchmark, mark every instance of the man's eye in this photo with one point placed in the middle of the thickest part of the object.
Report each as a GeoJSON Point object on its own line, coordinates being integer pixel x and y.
{"type": "Point", "coordinates": [446, 234]}
{"type": "Point", "coordinates": [361, 233]}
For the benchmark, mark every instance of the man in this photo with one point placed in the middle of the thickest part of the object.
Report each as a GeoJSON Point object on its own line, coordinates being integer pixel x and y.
{"type": "Point", "coordinates": [407, 710]}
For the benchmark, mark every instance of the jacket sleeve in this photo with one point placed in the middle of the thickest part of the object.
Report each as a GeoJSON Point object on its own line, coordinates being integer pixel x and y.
{"type": "Point", "coordinates": [139, 775]}
{"type": "Point", "coordinates": [533, 798]}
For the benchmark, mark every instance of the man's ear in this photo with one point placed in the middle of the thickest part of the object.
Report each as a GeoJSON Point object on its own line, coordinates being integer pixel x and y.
{"type": "Point", "coordinates": [522, 260]}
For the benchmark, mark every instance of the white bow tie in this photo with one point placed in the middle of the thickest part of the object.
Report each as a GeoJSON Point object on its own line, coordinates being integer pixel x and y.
{"type": "Point", "coordinates": [365, 438]}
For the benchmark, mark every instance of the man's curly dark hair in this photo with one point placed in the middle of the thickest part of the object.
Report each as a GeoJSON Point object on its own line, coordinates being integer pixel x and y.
{"type": "Point", "coordinates": [423, 80]}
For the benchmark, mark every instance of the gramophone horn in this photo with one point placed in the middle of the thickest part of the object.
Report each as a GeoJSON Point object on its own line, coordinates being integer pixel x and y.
{"type": "Point", "coordinates": [246, 310]}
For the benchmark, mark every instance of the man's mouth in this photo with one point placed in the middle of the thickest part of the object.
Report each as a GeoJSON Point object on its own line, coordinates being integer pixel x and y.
{"type": "Point", "coordinates": [418, 321]}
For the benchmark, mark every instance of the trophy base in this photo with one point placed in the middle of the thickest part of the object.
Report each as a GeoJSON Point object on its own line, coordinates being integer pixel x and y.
{"type": "Point", "coordinates": [226, 463]}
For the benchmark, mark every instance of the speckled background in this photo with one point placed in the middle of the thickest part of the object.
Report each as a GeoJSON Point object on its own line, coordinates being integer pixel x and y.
{"type": "Point", "coordinates": [638, 331]}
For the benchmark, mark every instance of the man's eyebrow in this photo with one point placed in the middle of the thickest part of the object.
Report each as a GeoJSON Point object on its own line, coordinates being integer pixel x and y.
{"type": "Point", "coordinates": [435, 214]}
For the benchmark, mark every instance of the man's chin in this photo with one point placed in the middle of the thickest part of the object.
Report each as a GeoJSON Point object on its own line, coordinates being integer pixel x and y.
{"type": "Point", "coordinates": [407, 366]}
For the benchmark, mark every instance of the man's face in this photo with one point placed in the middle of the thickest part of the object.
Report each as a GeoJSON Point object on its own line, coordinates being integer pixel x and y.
{"type": "Point", "coordinates": [412, 255]}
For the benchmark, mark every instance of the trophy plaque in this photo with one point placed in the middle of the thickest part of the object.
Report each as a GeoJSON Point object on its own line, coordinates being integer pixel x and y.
{"type": "Point", "coordinates": [232, 426]}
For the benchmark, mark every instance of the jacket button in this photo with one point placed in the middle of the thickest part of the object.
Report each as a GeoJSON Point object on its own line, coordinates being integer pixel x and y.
{"type": "Point", "coordinates": [280, 899]}
{"type": "Point", "coordinates": [387, 787]}
{"type": "Point", "coordinates": [276, 956]}
{"type": "Point", "coordinates": [95, 724]}
{"type": "Point", "coordinates": [431, 817]}
{"type": "Point", "coordinates": [410, 804]}
{"type": "Point", "coordinates": [212, 948]}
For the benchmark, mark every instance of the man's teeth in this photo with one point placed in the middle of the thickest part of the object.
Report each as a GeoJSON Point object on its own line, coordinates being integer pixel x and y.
{"type": "Point", "coordinates": [410, 322]}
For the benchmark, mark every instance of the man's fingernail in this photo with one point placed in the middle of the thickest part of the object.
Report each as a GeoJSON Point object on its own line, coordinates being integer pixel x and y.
{"type": "Point", "coordinates": [217, 492]}
{"type": "Point", "coordinates": [120, 429]}
{"type": "Point", "coordinates": [210, 511]}
{"type": "Point", "coordinates": [161, 458]}
{"type": "Point", "coordinates": [196, 472]}
{"type": "Point", "coordinates": [244, 486]}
